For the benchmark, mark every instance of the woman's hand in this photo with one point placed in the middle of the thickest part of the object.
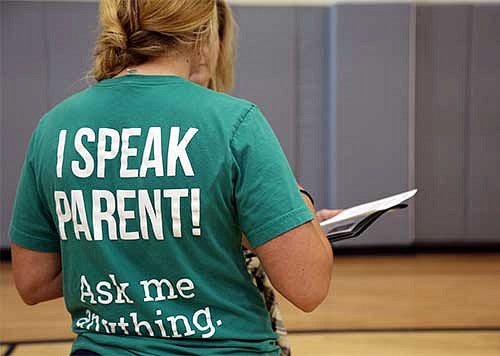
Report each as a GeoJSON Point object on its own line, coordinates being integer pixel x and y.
{"type": "Point", "coordinates": [326, 214]}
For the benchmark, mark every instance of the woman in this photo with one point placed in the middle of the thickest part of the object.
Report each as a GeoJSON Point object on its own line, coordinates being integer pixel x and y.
{"type": "Point", "coordinates": [136, 191]}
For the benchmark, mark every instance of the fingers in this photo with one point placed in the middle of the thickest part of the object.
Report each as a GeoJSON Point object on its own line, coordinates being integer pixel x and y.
{"type": "Point", "coordinates": [326, 214]}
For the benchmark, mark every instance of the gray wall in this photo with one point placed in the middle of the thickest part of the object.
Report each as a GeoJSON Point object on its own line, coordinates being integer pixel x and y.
{"type": "Point", "coordinates": [337, 84]}
{"type": "Point", "coordinates": [371, 115]}
{"type": "Point", "coordinates": [458, 124]}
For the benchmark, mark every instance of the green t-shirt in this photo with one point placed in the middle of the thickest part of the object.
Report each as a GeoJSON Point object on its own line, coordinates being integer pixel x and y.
{"type": "Point", "coordinates": [145, 185]}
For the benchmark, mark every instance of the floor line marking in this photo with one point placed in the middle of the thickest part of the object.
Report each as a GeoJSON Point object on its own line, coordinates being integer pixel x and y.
{"type": "Point", "coordinates": [13, 344]}
{"type": "Point", "coordinates": [10, 349]}
{"type": "Point", "coordinates": [396, 330]}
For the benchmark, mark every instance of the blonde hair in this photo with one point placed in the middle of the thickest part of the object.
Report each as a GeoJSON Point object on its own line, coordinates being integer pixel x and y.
{"type": "Point", "coordinates": [134, 31]}
{"type": "Point", "coordinates": [223, 78]}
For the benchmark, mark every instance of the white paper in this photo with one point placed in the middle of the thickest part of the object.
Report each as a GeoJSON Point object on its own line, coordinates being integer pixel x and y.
{"type": "Point", "coordinates": [351, 216]}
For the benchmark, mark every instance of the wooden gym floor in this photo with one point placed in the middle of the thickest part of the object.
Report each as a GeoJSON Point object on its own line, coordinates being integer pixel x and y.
{"type": "Point", "coordinates": [378, 305]}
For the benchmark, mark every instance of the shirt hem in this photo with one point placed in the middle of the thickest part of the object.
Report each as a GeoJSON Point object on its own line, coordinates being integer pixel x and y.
{"type": "Point", "coordinates": [33, 242]}
{"type": "Point", "coordinates": [279, 226]}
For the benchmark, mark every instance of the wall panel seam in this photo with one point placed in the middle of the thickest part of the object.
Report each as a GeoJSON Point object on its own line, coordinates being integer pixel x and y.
{"type": "Point", "coordinates": [46, 50]}
{"type": "Point", "coordinates": [412, 52]}
{"type": "Point", "coordinates": [296, 93]}
{"type": "Point", "coordinates": [467, 117]}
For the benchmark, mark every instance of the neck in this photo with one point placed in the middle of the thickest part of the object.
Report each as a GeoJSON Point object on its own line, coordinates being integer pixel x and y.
{"type": "Point", "coordinates": [179, 65]}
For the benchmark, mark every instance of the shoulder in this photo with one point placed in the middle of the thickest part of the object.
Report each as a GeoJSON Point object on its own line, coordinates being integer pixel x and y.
{"type": "Point", "coordinates": [60, 115]}
{"type": "Point", "coordinates": [230, 111]}
{"type": "Point", "coordinates": [225, 101]}
{"type": "Point", "coordinates": [64, 110]}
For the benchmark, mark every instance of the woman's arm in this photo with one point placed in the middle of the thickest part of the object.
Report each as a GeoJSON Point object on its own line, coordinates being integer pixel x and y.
{"type": "Point", "coordinates": [299, 264]}
{"type": "Point", "coordinates": [38, 275]}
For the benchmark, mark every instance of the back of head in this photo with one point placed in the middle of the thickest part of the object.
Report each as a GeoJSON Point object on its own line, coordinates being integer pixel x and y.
{"type": "Point", "coordinates": [134, 31]}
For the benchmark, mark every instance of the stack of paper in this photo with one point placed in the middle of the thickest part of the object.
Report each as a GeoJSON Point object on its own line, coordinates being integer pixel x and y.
{"type": "Point", "coordinates": [353, 221]}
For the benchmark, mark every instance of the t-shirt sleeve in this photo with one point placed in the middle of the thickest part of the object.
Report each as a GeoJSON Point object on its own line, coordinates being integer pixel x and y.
{"type": "Point", "coordinates": [267, 197]}
{"type": "Point", "coordinates": [32, 226]}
